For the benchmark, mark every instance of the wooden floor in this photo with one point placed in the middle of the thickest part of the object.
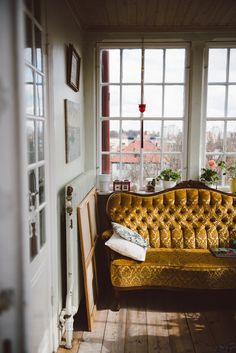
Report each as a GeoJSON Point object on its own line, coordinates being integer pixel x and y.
{"type": "Point", "coordinates": [163, 322]}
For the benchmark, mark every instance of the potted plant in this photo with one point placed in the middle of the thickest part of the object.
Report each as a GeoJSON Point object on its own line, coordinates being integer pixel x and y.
{"type": "Point", "coordinates": [229, 171]}
{"type": "Point", "coordinates": [210, 175]}
{"type": "Point", "coordinates": [169, 177]}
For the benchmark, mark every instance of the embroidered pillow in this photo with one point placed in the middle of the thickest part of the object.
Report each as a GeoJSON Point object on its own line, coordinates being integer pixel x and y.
{"type": "Point", "coordinates": [129, 234]}
{"type": "Point", "coordinates": [126, 248]}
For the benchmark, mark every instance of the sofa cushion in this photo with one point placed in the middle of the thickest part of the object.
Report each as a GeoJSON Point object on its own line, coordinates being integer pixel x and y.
{"type": "Point", "coordinates": [129, 234]}
{"type": "Point", "coordinates": [176, 268]}
{"type": "Point", "coordinates": [126, 247]}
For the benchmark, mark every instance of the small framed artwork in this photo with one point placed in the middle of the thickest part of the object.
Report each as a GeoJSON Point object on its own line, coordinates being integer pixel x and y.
{"type": "Point", "coordinates": [72, 125]}
{"type": "Point", "coordinates": [73, 68]}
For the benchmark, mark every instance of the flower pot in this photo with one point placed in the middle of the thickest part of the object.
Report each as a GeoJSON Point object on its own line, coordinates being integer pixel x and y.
{"type": "Point", "coordinates": [168, 184]}
{"type": "Point", "coordinates": [232, 185]}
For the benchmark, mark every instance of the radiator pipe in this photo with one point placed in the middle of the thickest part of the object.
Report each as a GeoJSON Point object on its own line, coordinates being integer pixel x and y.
{"type": "Point", "coordinates": [66, 318]}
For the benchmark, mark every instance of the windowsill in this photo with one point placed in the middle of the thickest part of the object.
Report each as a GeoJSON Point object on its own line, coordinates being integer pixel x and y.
{"type": "Point", "coordinates": [224, 188]}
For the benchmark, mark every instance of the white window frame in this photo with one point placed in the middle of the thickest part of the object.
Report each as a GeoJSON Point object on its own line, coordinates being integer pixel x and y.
{"type": "Point", "coordinates": [225, 118]}
{"type": "Point", "coordinates": [184, 119]}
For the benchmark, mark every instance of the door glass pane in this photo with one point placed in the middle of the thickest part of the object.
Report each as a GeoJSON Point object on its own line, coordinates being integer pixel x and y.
{"type": "Point", "coordinates": [111, 101]}
{"type": "Point", "coordinates": [151, 165]}
{"type": "Point", "coordinates": [28, 40]}
{"type": "Point", "coordinates": [130, 136]}
{"type": "Point", "coordinates": [38, 49]}
{"type": "Point", "coordinates": [131, 65]}
{"type": "Point", "coordinates": [131, 96]}
{"type": "Point", "coordinates": [40, 140]}
{"type": "Point", "coordinates": [173, 136]}
{"type": "Point", "coordinates": [217, 65]}
{"type": "Point", "coordinates": [37, 10]}
{"type": "Point", "coordinates": [31, 141]}
{"type": "Point", "coordinates": [29, 91]}
{"type": "Point", "coordinates": [231, 136]}
{"type": "Point", "coordinates": [130, 168]}
{"type": "Point", "coordinates": [153, 69]}
{"type": "Point", "coordinates": [174, 101]}
{"type": "Point", "coordinates": [214, 136]}
{"type": "Point", "coordinates": [153, 100]}
{"type": "Point", "coordinates": [111, 66]}
{"type": "Point", "coordinates": [111, 136]}
{"type": "Point", "coordinates": [28, 4]}
{"type": "Point", "coordinates": [216, 101]}
{"type": "Point", "coordinates": [32, 190]}
{"type": "Point", "coordinates": [42, 227]}
{"type": "Point", "coordinates": [39, 95]}
{"type": "Point", "coordinates": [172, 161]}
{"type": "Point", "coordinates": [33, 232]}
{"type": "Point", "coordinates": [41, 185]}
{"type": "Point", "coordinates": [152, 136]}
{"type": "Point", "coordinates": [175, 62]}
{"type": "Point", "coordinates": [232, 101]}
{"type": "Point", "coordinates": [232, 66]}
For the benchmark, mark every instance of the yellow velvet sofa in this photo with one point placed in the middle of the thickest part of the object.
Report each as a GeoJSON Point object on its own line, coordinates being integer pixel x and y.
{"type": "Point", "coordinates": [181, 225]}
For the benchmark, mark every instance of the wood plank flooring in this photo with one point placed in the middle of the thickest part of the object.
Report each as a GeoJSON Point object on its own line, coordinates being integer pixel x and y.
{"type": "Point", "coordinates": [163, 322]}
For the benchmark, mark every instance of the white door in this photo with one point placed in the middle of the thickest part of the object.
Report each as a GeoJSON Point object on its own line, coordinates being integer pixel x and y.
{"type": "Point", "coordinates": [40, 311]}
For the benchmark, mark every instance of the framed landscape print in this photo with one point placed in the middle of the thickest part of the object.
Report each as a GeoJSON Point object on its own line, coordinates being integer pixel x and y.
{"type": "Point", "coordinates": [72, 127]}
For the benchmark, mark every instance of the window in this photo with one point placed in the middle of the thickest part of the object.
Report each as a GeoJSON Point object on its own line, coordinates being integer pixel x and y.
{"type": "Point", "coordinates": [136, 145]}
{"type": "Point", "coordinates": [221, 105]}
{"type": "Point", "coordinates": [36, 126]}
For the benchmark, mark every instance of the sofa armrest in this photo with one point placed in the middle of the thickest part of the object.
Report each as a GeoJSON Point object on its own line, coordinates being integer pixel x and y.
{"type": "Point", "coordinates": [107, 234]}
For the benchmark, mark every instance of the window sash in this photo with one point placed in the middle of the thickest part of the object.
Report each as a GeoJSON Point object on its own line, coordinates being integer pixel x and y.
{"type": "Point", "coordinates": [160, 118]}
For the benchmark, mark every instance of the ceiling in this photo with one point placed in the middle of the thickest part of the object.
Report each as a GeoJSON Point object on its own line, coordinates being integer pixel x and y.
{"type": "Point", "coordinates": [155, 15]}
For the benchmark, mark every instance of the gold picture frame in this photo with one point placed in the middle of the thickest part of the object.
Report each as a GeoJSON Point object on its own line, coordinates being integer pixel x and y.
{"type": "Point", "coordinates": [73, 68]}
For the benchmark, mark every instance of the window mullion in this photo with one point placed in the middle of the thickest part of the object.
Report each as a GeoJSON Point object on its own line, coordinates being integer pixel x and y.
{"type": "Point", "coordinates": [121, 112]}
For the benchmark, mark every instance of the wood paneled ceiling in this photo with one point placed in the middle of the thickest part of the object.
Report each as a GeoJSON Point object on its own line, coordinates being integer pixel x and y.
{"type": "Point", "coordinates": [155, 15]}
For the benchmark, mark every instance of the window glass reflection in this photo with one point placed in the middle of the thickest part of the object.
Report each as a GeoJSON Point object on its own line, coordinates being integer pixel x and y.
{"type": "Point", "coordinates": [41, 185]}
{"type": "Point", "coordinates": [39, 95]}
{"type": "Point", "coordinates": [28, 51]}
{"type": "Point", "coordinates": [40, 140]}
{"type": "Point", "coordinates": [31, 141]}
{"type": "Point", "coordinates": [38, 49]}
{"type": "Point", "coordinates": [42, 229]}
{"type": "Point", "coordinates": [29, 91]}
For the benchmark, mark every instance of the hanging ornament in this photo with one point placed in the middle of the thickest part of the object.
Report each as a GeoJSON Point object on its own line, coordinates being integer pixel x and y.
{"type": "Point", "coordinates": [142, 107]}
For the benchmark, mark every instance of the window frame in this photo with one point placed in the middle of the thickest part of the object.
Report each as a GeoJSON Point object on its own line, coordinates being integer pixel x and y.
{"type": "Point", "coordinates": [216, 45]}
{"type": "Point", "coordinates": [184, 119]}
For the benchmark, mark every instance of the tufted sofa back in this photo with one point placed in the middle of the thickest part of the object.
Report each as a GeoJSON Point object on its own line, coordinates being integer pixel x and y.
{"type": "Point", "coordinates": [181, 218]}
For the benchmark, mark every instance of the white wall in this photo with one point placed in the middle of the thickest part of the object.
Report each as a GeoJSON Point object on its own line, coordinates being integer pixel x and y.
{"type": "Point", "coordinates": [62, 30]}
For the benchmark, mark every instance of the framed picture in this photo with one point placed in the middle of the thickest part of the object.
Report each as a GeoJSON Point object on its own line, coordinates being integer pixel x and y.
{"type": "Point", "coordinates": [73, 68]}
{"type": "Point", "coordinates": [72, 127]}
{"type": "Point", "coordinates": [88, 238]}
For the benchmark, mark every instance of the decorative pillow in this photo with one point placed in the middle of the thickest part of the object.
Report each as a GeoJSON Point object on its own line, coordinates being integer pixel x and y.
{"type": "Point", "coordinates": [129, 234]}
{"type": "Point", "coordinates": [126, 247]}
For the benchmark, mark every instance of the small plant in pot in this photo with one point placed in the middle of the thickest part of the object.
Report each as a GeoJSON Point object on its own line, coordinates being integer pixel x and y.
{"type": "Point", "coordinates": [169, 177]}
{"type": "Point", "coordinates": [210, 175]}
